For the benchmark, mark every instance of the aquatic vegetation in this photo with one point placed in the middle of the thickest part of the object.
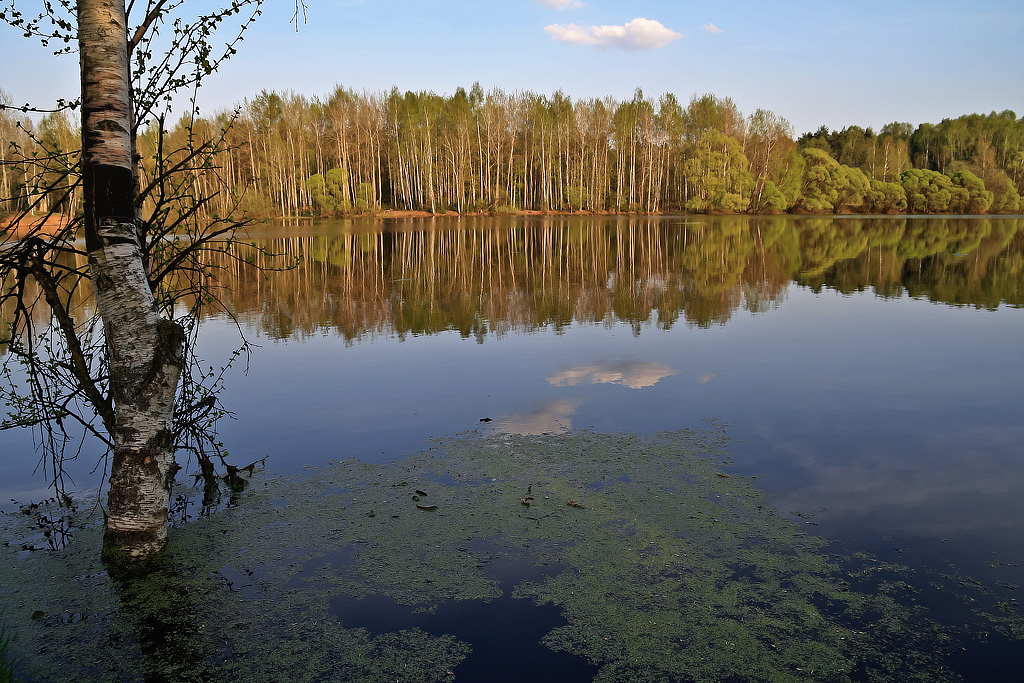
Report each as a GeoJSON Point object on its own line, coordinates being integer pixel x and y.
{"type": "Point", "coordinates": [6, 663]}
{"type": "Point", "coordinates": [665, 566]}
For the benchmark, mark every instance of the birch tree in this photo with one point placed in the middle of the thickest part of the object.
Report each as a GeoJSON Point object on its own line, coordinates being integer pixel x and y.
{"type": "Point", "coordinates": [146, 350]}
{"type": "Point", "coordinates": [129, 377]}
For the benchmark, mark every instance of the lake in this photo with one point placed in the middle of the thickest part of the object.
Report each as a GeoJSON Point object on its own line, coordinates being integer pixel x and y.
{"type": "Point", "coordinates": [827, 411]}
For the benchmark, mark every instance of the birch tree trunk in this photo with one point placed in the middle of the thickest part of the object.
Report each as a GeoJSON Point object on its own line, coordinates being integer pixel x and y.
{"type": "Point", "coordinates": [145, 350]}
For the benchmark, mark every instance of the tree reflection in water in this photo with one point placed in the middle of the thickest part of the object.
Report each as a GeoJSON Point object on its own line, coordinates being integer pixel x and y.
{"type": "Point", "coordinates": [493, 276]}
{"type": "Point", "coordinates": [483, 276]}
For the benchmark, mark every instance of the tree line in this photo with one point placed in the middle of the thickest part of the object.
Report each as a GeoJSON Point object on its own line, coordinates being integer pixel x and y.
{"type": "Point", "coordinates": [285, 155]}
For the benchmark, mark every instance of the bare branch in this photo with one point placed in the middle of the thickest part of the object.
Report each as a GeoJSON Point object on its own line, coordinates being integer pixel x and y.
{"type": "Point", "coordinates": [79, 363]}
{"type": "Point", "coordinates": [154, 13]}
{"type": "Point", "coordinates": [300, 8]}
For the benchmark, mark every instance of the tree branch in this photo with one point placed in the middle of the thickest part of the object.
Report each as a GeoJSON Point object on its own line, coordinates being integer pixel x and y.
{"type": "Point", "coordinates": [80, 365]}
{"type": "Point", "coordinates": [143, 28]}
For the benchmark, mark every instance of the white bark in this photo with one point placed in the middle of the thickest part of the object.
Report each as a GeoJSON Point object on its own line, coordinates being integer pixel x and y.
{"type": "Point", "coordinates": [145, 362]}
{"type": "Point", "coordinates": [106, 101]}
{"type": "Point", "coordinates": [146, 351]}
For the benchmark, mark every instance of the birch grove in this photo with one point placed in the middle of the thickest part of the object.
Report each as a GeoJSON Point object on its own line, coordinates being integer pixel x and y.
{"type": "Point", "coordinates": [499, 152]}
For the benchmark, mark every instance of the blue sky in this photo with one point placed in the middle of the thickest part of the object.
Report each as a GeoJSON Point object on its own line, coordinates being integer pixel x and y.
{"type": "Point", "coordinates": [816, 62]}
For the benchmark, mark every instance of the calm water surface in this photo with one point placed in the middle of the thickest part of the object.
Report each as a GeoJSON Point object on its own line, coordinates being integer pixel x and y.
{"type": "Point", "coordinates": [869, 369]}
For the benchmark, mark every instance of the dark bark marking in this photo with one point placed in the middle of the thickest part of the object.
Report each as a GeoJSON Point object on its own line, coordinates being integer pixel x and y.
{"type": "Point", "coordinates": [109, 196]}
{"type": "Point", "coordinates": [110, 125]}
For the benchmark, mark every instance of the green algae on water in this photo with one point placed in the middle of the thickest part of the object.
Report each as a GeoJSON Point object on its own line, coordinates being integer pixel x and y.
{"type": "Point", "coordinates": [665, 567]}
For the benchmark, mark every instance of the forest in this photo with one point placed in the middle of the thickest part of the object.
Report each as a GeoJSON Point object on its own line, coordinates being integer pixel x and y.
{"type": "Point", "coordinates": [498, 152]}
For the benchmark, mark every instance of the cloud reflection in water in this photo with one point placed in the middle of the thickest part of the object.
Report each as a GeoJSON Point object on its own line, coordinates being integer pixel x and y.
{"type": "Point", "coordinates": [633, 374]}
{"type": "Point", "coordinates": [551, 417]}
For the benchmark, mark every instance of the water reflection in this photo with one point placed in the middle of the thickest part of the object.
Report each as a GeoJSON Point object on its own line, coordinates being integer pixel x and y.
{"type": "Point", "coordinates": [492, 276]}
{"type": "Point", "coordinates": [550, 418]}
{"type": "Point", "coordinates": [632, 374]}
{"type": "Point", "coordinates": [948, 482]}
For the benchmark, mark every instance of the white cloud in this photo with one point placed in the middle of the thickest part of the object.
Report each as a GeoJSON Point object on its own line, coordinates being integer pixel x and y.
{"type": "Point", "coordinates": [639, 34]}
{"type": "Point", "coordinates": [711, 28]}
{"type": "Point", "coordinates": [562, 4]}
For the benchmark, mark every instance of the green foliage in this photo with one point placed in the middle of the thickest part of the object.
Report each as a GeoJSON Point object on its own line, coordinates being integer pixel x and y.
{"type": "Point", "coordinates": [266, 110]}
{"type": "Point", "coordinates": [252, 204]}
{"type": "Point", "coordinates": [577, 196]}
{"type": "Point", "coordinates": [852, 193]}
{"type": "Point", "coordinates": [819, 139]}
{"type": "Point", "coordinates": [771, 200]}
{"type": "Point", "coordinates": [961, 192]}
{"type": "Point", "coordinates": [792, 175]}
{"type": "Point", "coordinates": [972, 196]}
{"type": "Point", "coordinates": [708, 113]}
{"type": "Point", "coordinates": [883, 197]}
{"type": "Point", "coordinates": [330, 192]}
{"type": "Point", "coordinates": [880, 156]}
{"type": "Point", "coordinates": [718, 175]}
{"type": "Point", "coordinates": [366, 199]}
{"type": "Point", "coordinates": [823, 183]}
{"type": "Point", "coordinates": [927, 191]}
{"type": "Point", "coordinates": [1005, 198]}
